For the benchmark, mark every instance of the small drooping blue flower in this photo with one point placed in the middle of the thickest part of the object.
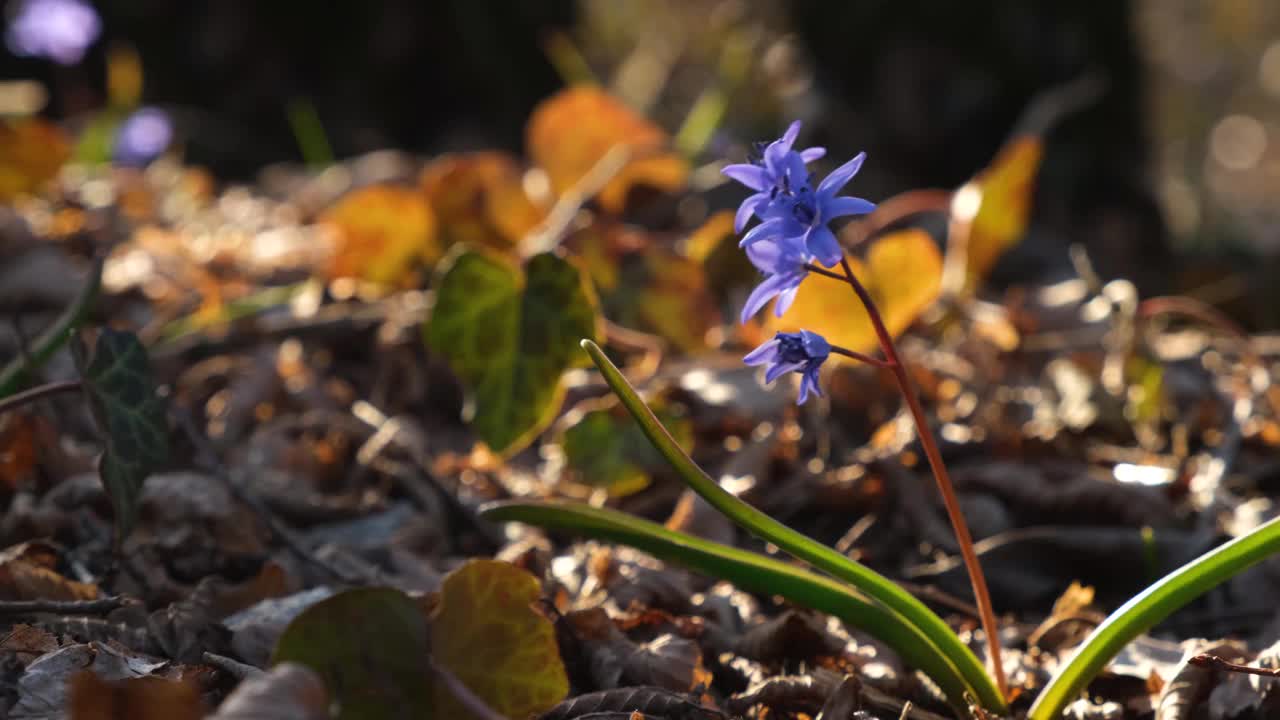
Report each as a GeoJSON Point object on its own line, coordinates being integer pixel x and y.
{"type": "Point", "coordinates": [59, 30]}
{"type": "Point", "coordinates": [802, 352]}
{"type": "Point", "coordinates": [784, 262]}
{"type": "Point", "coordinates": [142, 137]}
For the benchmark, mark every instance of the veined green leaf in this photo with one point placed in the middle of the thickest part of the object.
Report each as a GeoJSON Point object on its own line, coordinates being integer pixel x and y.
{"type": "Point", "coordinates": [129, 414]}
{"type": "Point", "coordinates": [509, 335]}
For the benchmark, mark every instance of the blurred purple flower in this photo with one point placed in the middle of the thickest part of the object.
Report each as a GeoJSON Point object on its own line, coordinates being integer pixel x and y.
{"type": "Point", "coordinates": [142, 137]}
{"type": "Point", "coordinates": [802, 352]}
{"type": "Point", "coordinates": [59, 30]}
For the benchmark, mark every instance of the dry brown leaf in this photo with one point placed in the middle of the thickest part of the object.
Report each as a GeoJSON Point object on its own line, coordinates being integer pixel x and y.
{"type": "Point", "coordinates": [27, 573]}
{"type": "Point", "coordinates": [288, 692]}
{"type": "Point", "coordinates": [28, 642]}
{"type": "Point", "coordinates": [142, 698]}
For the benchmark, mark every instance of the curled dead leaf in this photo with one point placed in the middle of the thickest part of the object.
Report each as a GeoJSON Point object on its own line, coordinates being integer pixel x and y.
{"type": "Point", "coordinates": [290, 691]}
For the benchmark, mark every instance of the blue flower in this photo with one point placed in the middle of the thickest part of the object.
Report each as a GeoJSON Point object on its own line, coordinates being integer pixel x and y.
{"type": "Point", "coordinates": [142, 137]}
{"type": "Point", "coordinates": [784, 262]}
{"type": "Point", "coordinates": [60, 30]}
{"type": "Point", "coordinates": [802, 352]}
{"type": "Point", "coordinates": [773, 168]}
{"type": "Point", "coordinates": [799, 210]}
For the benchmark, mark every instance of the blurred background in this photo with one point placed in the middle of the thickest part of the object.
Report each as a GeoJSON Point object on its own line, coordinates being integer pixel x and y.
{"type": "Point", "coordinates": [1168, 177]}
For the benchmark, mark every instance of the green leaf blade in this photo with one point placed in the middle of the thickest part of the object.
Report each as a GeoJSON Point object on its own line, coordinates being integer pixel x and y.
{"type": "Point", "coordinates": [747, 570]}
{"type": "Point", "coordinates": [797, 544]}
{"type": "Point", "coordinates": [1147, 609]}
{"type": "Point", "coordinates": [509, 336]}
{"type": "Point", "coordinates": [18, 372]}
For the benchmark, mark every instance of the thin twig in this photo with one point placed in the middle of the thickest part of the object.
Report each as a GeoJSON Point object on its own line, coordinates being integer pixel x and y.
{"type": "Point", "coordinates": [1214, 662]}
{"type": "Point", "coordinates": [99, 606]}
{"type": "Point", "coordinates": [17, 400]}
{"type": "Point", "coordinates": [549, 233]}
{"type": "Point", "coordinates": [234, 668]}
{"type": "Point", "coordinates": [463, 694]}
{"type": "Point", "coordinates": [963, 537]}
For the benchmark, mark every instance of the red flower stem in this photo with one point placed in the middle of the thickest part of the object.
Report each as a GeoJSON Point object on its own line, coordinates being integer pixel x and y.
{"type": "Point", "coordinates": [976, 578]}
{"type": "Point", "coordinates": [17, 400]}
{"type": "Point", "coordinates": [872, 361]}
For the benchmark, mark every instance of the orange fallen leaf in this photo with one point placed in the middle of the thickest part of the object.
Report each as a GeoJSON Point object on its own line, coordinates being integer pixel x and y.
{"type": "Point", "coordinates": [138, 698]}
{"type": "Point", "coordinates": [479, 199]}
{"type": "Point", "coordinates": [902, 271]}
{"type": "Point", "coordinates": [573, 130]}
{"type": "Point", "coordinates": [21, 436]}
{"type": "Point", "coordinates": [382, 232]}
{"type": "Point", "coordinates": [27, 572]}
{"type": "Point", "coordinates": [31, 153]}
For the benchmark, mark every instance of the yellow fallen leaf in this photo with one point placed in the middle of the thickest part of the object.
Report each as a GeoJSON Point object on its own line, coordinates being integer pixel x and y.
{"type": "Point", "coordinates": [489, 636]}
{"type": "Point", "coordinates": [902, 271]}
{"type": "Point", "coordinates": [990, 212]}
{"type": "Point", "coordinates": [382, 232]}
{"type": "Point", "coordinates": [570, 132]}
{"type": "Point", "coordinates": [31, 153]}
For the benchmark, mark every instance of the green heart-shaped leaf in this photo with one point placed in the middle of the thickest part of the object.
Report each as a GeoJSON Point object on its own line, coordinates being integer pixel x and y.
{"type": "Point", "coordinates": [129, 414]}
{"type": "Point", "coordinates": [606, 448]}
{"type": "Point", "coordinates": [370, 645]}
{"type": "Point", "coordinates": [509, 335]}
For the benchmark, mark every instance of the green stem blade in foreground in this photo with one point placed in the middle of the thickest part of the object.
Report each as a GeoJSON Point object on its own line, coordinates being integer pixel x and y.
{"type": "Point", "coordinates": [797, 544]}
{"type": "Point", "coordinates": [749, 571]}
{"type": "Point", "coordinates": [18, 372]}
{"type": "Point", "coordinates": [1147, 609]}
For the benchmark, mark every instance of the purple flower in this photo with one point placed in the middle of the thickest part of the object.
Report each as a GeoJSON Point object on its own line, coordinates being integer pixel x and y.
{"type": "Point", "coordinates": [784, 262]}
{"type": "Point", "coordinates": [804, 212]}
{"type": "Point", "coordinates": [774, 167]}
{"type": "Point", "coordinates": [60, 30]}
{"type": "Point", "coordinates": [802, 352]}
{"type": "Point", "coordinates": [142, 136]}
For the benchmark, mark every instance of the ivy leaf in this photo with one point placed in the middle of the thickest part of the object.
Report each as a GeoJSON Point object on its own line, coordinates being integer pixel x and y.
{"type": "Point", "coordinates": [488, 635]}
{"type": "Point", "coordinates": [370, 646]}
{"type": "Point", "coordinates": [130, 416]}
{"type": "Point", "coordinates": [606, 448]}
{"type": "Point", "coordinates": [509, 335]}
